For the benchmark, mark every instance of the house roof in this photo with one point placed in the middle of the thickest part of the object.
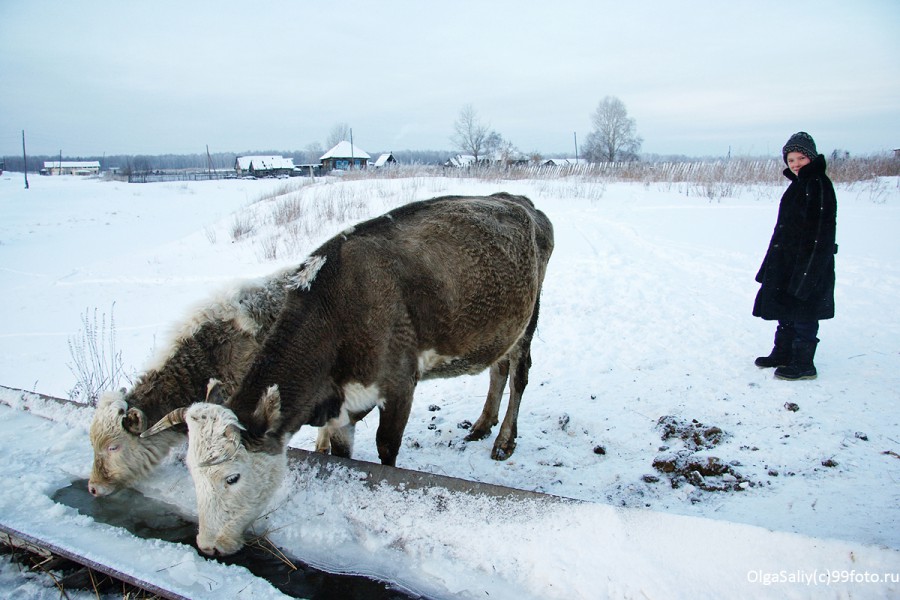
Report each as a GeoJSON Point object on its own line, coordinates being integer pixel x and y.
{"type": "Point", "coordinates": [461, 160]}
{"type": "Point", "coordinates": [345, 150]}
{"type": "Point", "coordinates": [264, 163]}
{"type": "Point", "coordinates": [380, 162]}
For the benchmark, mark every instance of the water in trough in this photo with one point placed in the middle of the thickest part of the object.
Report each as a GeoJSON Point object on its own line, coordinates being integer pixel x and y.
{"type": "Point", "coordinates": [149, 518]}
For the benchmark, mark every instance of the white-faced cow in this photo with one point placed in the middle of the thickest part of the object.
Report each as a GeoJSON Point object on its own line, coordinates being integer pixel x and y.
{"type": "Point", "coordinates": [219, 339]}
{"type": "Point", "coordinates": [438, 288]}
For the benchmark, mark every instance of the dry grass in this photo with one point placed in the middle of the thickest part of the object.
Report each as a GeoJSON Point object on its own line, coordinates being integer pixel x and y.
{"type": "Point", "coordinates": [96, 362]}
{"type": "Point", "coordinates": [263, 544]}
{"type": "Point", "coordinates": [296, 217]}
{"type": "Point", "coordinates": [709, 179]}
{"type": "Point", "coordinates": [299, 211]}
{"type": "Point", "coordinates": [241, 227]}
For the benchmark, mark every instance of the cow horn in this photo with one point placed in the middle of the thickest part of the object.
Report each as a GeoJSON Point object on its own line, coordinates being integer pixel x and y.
{"type": "Point", "coordinates": [173, 418]}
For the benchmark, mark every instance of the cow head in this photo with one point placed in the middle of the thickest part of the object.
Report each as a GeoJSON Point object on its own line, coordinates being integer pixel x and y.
{"type": "Point", "coordinates": [235, 472]}
{"type": "Point", "coordinates": [120, 455]}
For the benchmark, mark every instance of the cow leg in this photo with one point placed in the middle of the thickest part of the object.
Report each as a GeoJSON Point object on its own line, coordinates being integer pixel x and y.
{"type": "Point", "coordinates": [392, 422]}
{"type": "Point", "coordinates": [491, 411]}
{"type": "Point", "coordinates": [342, 440]}
{"type": "Point", "coordinates": [323, 439]}
{"type": "Point", "coordinates": [519, 365]}
{"type": "Point", "coordinates": [336, 440]}
{"type": "Point", "coordinates": [505, 443]}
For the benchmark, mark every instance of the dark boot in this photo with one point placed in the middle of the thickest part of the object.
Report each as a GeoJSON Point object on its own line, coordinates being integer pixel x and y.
{"type": "Point", "coordinates": [801, 366]}
{"type": "Point", "coordinates": [781, 353]}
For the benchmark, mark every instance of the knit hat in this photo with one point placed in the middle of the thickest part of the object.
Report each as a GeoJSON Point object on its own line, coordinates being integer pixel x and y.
{"type": "Point", "coordinates": [800, 142]}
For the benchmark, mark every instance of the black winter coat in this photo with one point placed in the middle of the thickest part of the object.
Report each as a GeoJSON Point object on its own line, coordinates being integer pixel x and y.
{"type": "Point", "coordinates": [797, 274]}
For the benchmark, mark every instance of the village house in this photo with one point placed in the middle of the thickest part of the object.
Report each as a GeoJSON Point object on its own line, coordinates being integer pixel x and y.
{"type": "Point", "coordinates": [564, 162]}
{"type": "Point", "coordinates": [263, 166]}
{"type": "Point", "coordinates": [462, 161]}
{"type": "Point", "coordinates": [343, 157]}
{"type": "Point", "coordinates": [71, 167]}
{"type": "Point", "coordinates": [385, 160]}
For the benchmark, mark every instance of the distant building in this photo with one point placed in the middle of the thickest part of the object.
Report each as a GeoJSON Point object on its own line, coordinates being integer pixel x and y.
{"type": "Point", "coordinates": [343, 157]}
{"type": "Point", "coordinates": [263, 166]}
{"type": "Point", "coordinates": [307, 170]}
{"type": "Point", "coordinates": [385, 160]}
{"type": "Point", "coordinates": [564, 162]}
{"type": "Point", "coordinates": [462, 161]}
{"type": "Point", "coordinates": [500, 158]}
{"type": "Point", "coordinates": [71, 167]}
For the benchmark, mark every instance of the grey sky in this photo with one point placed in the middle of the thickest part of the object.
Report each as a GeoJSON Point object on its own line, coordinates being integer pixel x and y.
{"type": "Point", "coordinates": [90, 78]}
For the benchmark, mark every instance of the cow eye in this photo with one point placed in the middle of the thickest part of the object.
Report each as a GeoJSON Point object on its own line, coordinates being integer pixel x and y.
{"type": "Point", "coordinates": [113, 448]}
{"type": "Point", "coordinates": [232, 479]}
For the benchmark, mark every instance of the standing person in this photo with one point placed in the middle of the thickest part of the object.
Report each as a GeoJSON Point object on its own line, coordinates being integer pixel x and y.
{"type": "Point", "coordinates": [797, 274]}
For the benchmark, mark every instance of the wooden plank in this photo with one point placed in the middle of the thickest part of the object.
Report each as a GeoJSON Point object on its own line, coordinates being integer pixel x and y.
{"type": "Point", "coordinates": [74, 556]}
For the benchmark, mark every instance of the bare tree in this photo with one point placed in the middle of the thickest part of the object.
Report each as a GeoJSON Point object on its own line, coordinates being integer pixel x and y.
{"type": "Point", "coordinates": [614, 137]}
{"type": "Point", "coordinates": [339, 133]}
{"type": "Point", "coordinates": [313, 151]}
{"type": "Point", "coordinates": [471, 136]}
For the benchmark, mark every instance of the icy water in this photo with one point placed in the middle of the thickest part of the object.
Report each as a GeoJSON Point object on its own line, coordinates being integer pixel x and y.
{"type": "Point", "coordinates": [149, 518]}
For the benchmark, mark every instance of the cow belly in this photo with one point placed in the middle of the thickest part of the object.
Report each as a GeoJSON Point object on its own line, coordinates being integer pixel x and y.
{"type": "Point", "coordinates": [433, 365]}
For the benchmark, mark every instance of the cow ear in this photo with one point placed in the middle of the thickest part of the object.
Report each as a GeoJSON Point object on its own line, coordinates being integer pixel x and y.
{"type": "Point", "coordinates": [111, 397]}
{"type": "Point", "coordinates": [134, 421]}
{"type": "Point", "coordinates": [215, 392]}
{"type": "Point", "coordinates": [268, 411]}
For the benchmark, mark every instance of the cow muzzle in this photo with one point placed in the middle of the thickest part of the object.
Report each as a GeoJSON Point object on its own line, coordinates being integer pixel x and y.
{"type": "Point", "coordinates": [98, 490]}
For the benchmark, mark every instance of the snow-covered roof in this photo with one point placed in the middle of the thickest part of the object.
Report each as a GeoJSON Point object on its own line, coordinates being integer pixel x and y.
{"type": "Point", "coordinates": [345, 150]}
{"type": "Point", "coordinates": [467, 160]}
{"type": "Point", "coordinates": [461, 160]}
{"type": "Point", "coordinates": [382, 160]}
{"type": "Point", "coordinates": [72, 164]}
{"type": "Point", "coordinates": [264, 163]}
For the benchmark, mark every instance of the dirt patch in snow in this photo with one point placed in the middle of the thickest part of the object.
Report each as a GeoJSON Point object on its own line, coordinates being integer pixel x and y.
{"type": "Point", "coordinates": [685, 459]}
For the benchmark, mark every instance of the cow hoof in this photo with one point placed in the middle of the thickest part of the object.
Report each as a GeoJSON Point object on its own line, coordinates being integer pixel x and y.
{"type": "Point", "coordinates": [503, 452]}
{"type": "Point", "coordinates": [478, 434]}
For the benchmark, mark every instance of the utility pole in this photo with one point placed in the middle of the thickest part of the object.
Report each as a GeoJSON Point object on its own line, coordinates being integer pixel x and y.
{"type": "Point", "coordinates": [351, 149]}
{"type": "Point", "coordinates": [208, 163]}
{"type": "Point", "coordinates": [575, 134]}
{"type": "Point", "coordinates": [24, 160]}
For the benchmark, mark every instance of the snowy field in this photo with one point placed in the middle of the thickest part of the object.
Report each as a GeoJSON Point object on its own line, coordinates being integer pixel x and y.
{"type": "Point", "coordinates": [643, 397]}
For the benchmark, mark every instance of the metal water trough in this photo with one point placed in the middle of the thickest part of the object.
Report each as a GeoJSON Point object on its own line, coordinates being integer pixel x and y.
{"type": "Point", "coordinates": [373, 474]}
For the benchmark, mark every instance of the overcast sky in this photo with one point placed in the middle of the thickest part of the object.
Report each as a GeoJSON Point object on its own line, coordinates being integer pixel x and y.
{"type": "Point", "coordinates": [699, 78]}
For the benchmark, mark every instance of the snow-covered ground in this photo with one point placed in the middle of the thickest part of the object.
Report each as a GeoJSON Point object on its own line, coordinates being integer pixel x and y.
{"type": "Point", "coordinates": [645, 314]}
